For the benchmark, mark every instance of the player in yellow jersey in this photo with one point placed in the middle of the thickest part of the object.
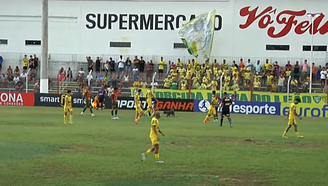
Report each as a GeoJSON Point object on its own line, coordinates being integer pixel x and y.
{"type": "Point", "coordinates": [68, 107]}
{"type": "Point", "coordinates": [212, 109]}
{"type": "Point", "coordinates": [291, 118]}
{"type": "Point", "coordinates": [154, 130]}
{"type": "Point", "coordinates": [149, 99]}
{"type": "Point", "coordinates": [138, 106]}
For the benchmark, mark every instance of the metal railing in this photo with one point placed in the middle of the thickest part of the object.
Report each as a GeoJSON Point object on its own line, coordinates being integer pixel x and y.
{"type": "Point", "coordinates": [77, 61]}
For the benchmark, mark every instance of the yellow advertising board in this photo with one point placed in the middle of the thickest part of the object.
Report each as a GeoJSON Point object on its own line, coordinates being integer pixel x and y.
{"type": "Point", "coordinates": [314, 98]}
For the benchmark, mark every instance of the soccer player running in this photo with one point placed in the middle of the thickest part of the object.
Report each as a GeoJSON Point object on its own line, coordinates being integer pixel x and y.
{"type": "Point", "coordinates": [114, 99]}
{"type": "Point", "coordinates": [101, 97]}
{"type": "Point", "coordinates": [68, 107]}
{"type": "Point", "coordinates": [154, 130]}
{"type": "Point", "coordinates": [211, 110]}
{"type": "Point", "coordinates": [149, 99]}
{"type": "Point", "coordinates": [87, 98]}
{"type": "Point", "coordinates": [291, 119]}
{"type": "Point", "coordinates": [138, 106]}
{"type": "Point", "coordinates": [226, 102]}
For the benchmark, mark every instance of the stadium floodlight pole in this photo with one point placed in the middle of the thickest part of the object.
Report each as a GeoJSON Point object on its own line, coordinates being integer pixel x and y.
{"type": "Point", "coordinates": [44, 43]}
{"type": "Point", "coordinates": [221, 78]}
{"type": "Point", "coordinates": [313, 16]}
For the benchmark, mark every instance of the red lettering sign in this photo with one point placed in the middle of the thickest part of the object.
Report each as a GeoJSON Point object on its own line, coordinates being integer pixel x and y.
{"type": "Point", "coordinates": [287, 18]}
{"type": "Point", "coordinates": [176, 105]}
{"type": "Point", "coordinates": [16, 99]}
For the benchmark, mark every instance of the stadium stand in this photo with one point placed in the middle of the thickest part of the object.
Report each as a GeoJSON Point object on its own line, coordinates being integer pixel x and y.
{"type": "Point", "coordinates": [171, 75]}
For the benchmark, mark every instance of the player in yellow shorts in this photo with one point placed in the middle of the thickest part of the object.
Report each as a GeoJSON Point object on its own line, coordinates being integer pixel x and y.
{"type": "Point", "coordinates": [138, 106]}
{"type": "Point", "coordinates": [291, 119]}
{"type": "Point", "coordinates": [149, 99]}
{"type": "Point", "coordinates": [68, 107]}
{"type": "Point", "coordinates": [154, 130]}
{"type": "Point", "coordinates": [212, 109]}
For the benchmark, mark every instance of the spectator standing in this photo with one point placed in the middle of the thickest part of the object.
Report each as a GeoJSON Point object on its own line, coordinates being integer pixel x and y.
{"type": "Point", "coordinates": [112, 66]}
{"type": "Point", "coordinates": [142, 65]}
{"type": "Point", "coordinates": [249, 65]}
{"type": "Point", "coordinates": [121, 64]}
{"type": "Point", "coordinates": [135, 73]}
{"type": "Point", "coordinates": [267, 65]}
{"type": "Point", "coordinates": [25, 62]}
{"type": "Point", "coordinates": [276, 69]}
{"type": "Point", "coordinates": [288, 66]}
{"type": "Point", "coordinates": [107, 68]}
{"type": "Point", "coordinates": [323, 76]}
{"type": "Point", "coordinates": [90, 63]}
{"type": "Point", "coordinates": [136, 61]}
{"type": "Point", "coordinates": [149, 70]}
{"type": "Point", "coordinates": [161, 65]}
{"type": "Point", "coordinates": [69, 74]}
{"type": "Point", "coordinates": [32, 64]}
{"type": "Point", "coordinates": [258, 67]}
{"type": "Point", "coordinates": [98, 64]}
{"type": "Point", "coordinates": [318, 73]}
{"type": "Point", "coordinates": [314, 73]}
{"type": "Point", "coordinates": [305, 67]}
{"type": "Point", "coordinates": [281, 83]}
{"type": "Point", "coordinates": [36, 62]}
{"type": "Point", "coordinates": [1, 60]}
{"type": "Point", "coordinates": [296, 73]}
{"type": "Point", "coordinates": [128, 64]}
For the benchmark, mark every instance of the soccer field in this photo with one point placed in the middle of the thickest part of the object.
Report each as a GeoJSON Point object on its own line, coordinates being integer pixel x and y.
{"type": "Point", "coordinates": [37, 149]}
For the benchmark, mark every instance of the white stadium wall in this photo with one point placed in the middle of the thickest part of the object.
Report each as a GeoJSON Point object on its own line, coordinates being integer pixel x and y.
{"type": "Point", "coordinates": [88, 27]}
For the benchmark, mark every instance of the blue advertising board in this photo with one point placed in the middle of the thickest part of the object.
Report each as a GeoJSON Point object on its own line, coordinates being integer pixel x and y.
{"type": "Point", "coordinates": [243, 107]}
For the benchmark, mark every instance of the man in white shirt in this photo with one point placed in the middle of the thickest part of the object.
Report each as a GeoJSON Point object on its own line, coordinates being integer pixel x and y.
{"type": "Point", "coordinates": [323, 75]}
{"type": "Point", "coordinates": [249, 65]}
{"type": "Point", "coordinates": [16, 78]}
{"type": "Point", "coordinates": [258, 67]}
{"type": "Point", "coordinates": [121, 64]}
{"type": "Point", "coordinates": [23, 74]}
{"type": "Point", "coordinates": [89, 78]}
{"type": "Point", "coordinates": [281, 83]}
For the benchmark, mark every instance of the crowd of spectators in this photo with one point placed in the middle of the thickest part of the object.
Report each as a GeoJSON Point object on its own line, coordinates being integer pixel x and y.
{"type": "Point", "coordinates": [260, 76]}
{"type": "Point", "coordinates": [16, 77]}
{"type": "Point", "coordinates": [242, 76]}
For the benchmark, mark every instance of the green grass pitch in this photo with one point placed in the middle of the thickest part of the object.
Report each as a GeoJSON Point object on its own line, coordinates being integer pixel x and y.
{"type": "Point", "coordinates": [37, 149]}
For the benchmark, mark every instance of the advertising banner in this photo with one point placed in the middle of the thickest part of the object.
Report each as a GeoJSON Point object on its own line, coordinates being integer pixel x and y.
{"type": "Point", "coordinates": [54, 100]}
{"type": "Point", "coordinates": [162, 104]}
{"type": "Point", "coordinates": [243, 107]}
{"type": "Point", "coordinates": [184, 94]}
{"type": "Point", "coordinates": [307, 109]}
{"type": "Point", "coordinates": [314, 98]}
{"type": "Point", "coordinates": [16, 99]}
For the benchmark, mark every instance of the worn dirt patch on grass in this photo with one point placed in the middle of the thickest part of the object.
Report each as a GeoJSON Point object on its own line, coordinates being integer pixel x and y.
{"type": "Point", "coordinates": [75, 148]}
{"type": "Point", "coordinates": [265, 143]}
{"type": "Point", "coordinates": [180, 144]}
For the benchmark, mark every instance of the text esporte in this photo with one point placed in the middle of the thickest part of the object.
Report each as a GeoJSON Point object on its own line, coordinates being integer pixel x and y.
{"type": "Point", "coordinates": [253, 109]}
